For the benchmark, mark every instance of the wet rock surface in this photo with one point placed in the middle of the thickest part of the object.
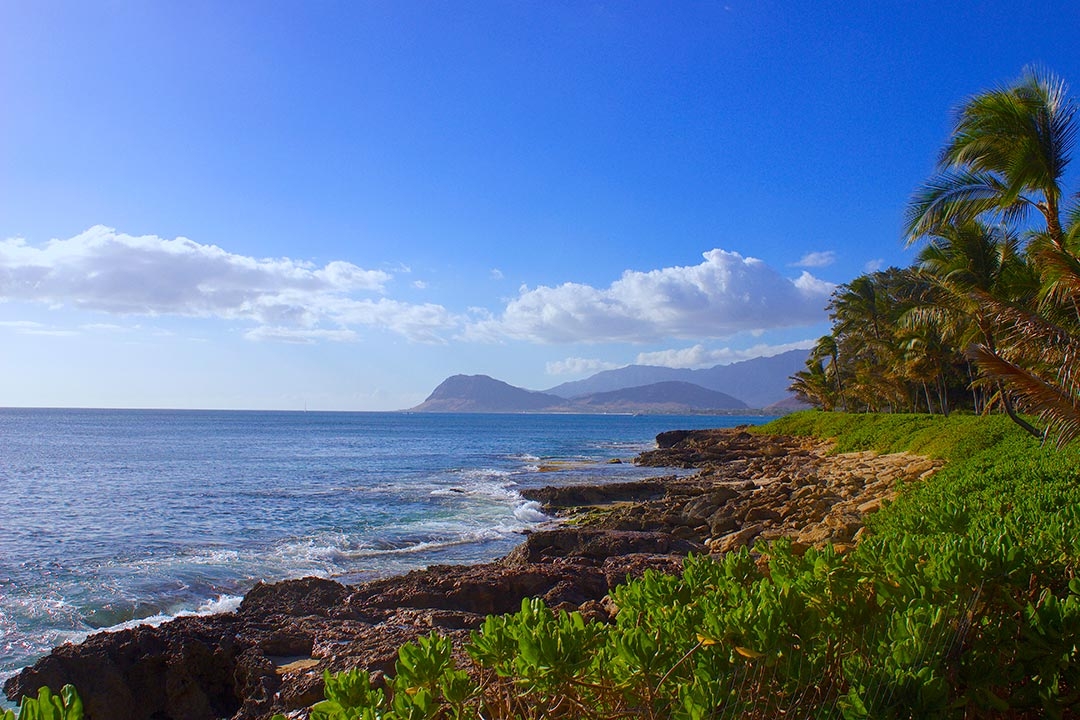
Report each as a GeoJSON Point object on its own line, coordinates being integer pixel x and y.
{"type": "Point", "coordinates": [270, 654]}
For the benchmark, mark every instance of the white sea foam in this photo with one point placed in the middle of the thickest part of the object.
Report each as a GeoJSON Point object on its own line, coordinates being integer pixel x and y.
{"type": "Point", "coordinates": [493, 484]}
{"type": "Point", "coordinates": [481, 482]}
{"type": "Point", "coordinates": [432, 537]}
{"type": "Point", "coordinates": [40, 642]}
{"type": "Point", "coordinates": [484, 472]}
{"type": "Point", "coordinates": [214, 557]}
{"type": "Point", "coordinates": [441, 543]}
{"type": "Point", "coordinates": [212, 606]}
{"type": "Point", "coordinates": [529, 512]}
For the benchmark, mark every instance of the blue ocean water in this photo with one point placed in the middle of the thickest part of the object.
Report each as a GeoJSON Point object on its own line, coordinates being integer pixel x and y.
{"type": "Point", "coordinates": [113, 517]}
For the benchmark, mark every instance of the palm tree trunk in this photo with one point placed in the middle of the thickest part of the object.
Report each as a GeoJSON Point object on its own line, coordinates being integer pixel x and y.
{"type": "Point", "coordinates": [975, 395]}
{"type": "Point", "coordinates": [1006, 402]}
{"type": "Point", "coordinates": [1053, 218]}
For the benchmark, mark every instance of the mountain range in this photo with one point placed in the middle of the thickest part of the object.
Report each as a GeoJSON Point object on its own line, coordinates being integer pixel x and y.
{"type": "Point", "coordinates": [760, 383]}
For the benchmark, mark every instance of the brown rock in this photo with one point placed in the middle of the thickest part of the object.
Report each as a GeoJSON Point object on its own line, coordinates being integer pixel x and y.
{"type": "Point", "coordinates": [596, 544]}
{"type": "Point", "coordinates": [708, 503]}
{"type": "Point", "coordinates": [722, 523]}
{"type": "Point", "coordinates": [761, 514]}
{"type": "Point", "coordinates": [306, 596]}
{"type": "Point", "coordinates": [870, 506]}
{"type": "Point", "coordinates": [736, 540]}
{"type": "Point", "coordinates": [816, 536]}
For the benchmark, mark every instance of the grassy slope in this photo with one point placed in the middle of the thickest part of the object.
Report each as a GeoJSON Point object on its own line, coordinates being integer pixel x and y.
{"type": "Point", "coordinates": [956, 437]}
{"type": "Point", "coordinates": [998, 479]}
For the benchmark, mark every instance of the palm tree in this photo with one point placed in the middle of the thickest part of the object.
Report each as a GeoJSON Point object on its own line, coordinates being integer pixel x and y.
{"type": "Point", "coordinates": [1036, 361]}
{"type": "Point", "coordinates": [1006, 157]}
{"type": "Point", "coordinates": [1037, 354]}
{"type": "Point", "coordinates": [813, 387]}
{"type": "Point", "coordinates": [1004, 164]}
{"type": "Point", "coordinates": [871, 360]}
{"type": "Point", "coordinates": [827, 349]}
{"type": "Point", "coordinates": [965, 262]}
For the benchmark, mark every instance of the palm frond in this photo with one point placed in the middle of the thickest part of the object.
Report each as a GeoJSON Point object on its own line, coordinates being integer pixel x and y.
{"type": "Point", "coordinates": [1059, 408]}
{"type": "Point", "coordinates": [1054, 113]}
{"type": "Point", "coordinates": [1025, 132]}
{"type": "Point", "coordinates": [1060, 272]}
{"type": "Point", "coordinates": [955, 196]}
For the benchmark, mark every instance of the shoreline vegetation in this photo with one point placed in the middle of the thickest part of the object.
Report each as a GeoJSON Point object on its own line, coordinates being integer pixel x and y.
{"type": "Point", "coordinates": [839, 566]}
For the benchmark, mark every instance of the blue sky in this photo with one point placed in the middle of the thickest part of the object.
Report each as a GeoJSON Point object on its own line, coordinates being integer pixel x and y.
{"type": "Point", "coordinates": [267, 205]}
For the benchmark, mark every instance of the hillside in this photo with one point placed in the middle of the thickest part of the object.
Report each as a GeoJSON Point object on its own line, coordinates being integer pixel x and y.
{"type": "Point", "coordinates": [673, 397]}
{"type": "Point", "coordinates": [758, 382]}
{"type": "Point", "coordinates": [480, 393]}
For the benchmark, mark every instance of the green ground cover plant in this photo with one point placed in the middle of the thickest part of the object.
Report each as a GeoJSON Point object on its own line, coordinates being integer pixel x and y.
{"type": "Point", "coordinates": [48, 706]}
{"type": "Point", "coordinates": [962, 602]}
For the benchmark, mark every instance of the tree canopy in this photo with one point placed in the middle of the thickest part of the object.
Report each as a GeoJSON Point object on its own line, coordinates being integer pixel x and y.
{"type": "Point", "coordinates": [988, 316]}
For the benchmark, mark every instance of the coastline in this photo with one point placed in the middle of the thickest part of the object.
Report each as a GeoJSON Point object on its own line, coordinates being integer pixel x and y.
{"type": "Point", "coordinates": [269, 655]}
{"type": "Point", "coordinates": [169, 512]}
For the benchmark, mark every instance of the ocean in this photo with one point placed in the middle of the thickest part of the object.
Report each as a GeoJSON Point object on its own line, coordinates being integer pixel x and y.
{"type": "Point", "coordinates": [110, 518]}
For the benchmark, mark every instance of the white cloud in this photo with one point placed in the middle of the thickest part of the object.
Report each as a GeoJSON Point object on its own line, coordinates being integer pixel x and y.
{"type": "Point", "coordinates": [725, 294]}
{"type": "Point", "coordinates": [294, 335]}
{"type": "Point", "coordinates": [816, 259]}
{"type": "Point", "coordinates": [699, 356]}
{"type": "Point", "coordinates": [424, 323]}
{"type": "Point", "coordinates": [496, 274]}
{"type": "Point", "coordinates": [108, 327]}
{"type": "Point", "coordinates": [419, 284]}
{"type": "Point", "coordinates": [874, 265]}
{"type": "Point", "coordinates": [51, 332]}
{"type": "Point", "coordinates": [578, 366]}
{"type": "Point", "coordinates": [111, 272]}
{"type": "Point", "coordinates": [29, 327]}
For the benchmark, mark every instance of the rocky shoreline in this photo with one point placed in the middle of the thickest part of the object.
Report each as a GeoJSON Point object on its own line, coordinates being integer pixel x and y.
{"type": "Point", "coordinates": [269, 655]}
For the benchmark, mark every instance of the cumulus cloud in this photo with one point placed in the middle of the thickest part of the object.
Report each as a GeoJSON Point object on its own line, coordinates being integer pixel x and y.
{"type": "Point", "coordinates": [112, 272]}
{"type": "Point", "coordinates": [578, 366]}
{"type": "Point", "coordinates": [724, 295]}
{"type": "Point", "coordinates": [816, 259]}
{"type": "Point", "coordinates": [424, 322]}
{"type": "Point", "coordinates": [699, 356]}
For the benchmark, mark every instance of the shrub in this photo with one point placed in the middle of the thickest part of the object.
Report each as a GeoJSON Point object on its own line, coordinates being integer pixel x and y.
{"type": "Point", "coordinates": [47, 706]}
